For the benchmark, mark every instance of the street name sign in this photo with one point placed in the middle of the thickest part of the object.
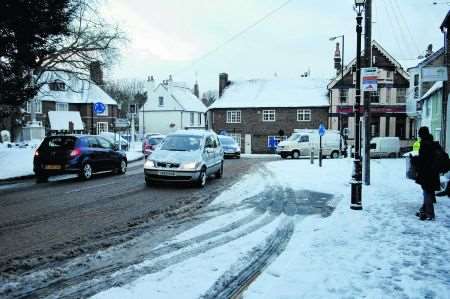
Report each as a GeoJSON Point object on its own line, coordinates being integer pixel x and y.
{"type": "Point", "coordinates": [437, 73]}
{"type": "Point", "coordinates": [369, 79]}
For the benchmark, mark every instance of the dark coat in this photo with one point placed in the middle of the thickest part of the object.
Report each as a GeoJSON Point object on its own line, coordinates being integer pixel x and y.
{"type": "Point", "coordinates": [427, 175]}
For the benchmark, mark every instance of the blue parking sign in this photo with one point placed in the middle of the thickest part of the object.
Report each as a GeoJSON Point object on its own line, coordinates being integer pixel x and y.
{"type": "Point", "coordinates": [322, 130]}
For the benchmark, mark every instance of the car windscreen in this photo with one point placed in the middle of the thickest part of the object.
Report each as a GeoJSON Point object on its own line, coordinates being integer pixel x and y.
{"type": "Point", "coordinates": [293, 137]}
{"type": "Point", "coordinates": [155, 141]}
{"type": "Point", "coordinates": [227, 141]}
{"type": "Point", "coordinates": [59, 142]}
{"type": "Point", "coordinates": [181, 143]}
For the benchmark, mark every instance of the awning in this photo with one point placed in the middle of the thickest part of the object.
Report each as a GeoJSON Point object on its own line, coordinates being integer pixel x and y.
{"type": "Point", "coordinates": [59, 120]}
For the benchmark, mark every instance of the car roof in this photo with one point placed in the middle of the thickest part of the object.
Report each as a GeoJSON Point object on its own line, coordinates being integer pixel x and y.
{"type": "Point", "coordinates": [200, 133]}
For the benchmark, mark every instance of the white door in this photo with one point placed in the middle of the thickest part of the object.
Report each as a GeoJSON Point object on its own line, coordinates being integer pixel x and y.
{"type": "Point", "coordinates": [248, 143]}
{"type": "Point", "coordinates": [102, 127]}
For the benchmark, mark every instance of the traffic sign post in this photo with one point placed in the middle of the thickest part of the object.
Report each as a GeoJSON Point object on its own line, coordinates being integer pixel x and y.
{"type": "Point", "coordinates": [322, 132]}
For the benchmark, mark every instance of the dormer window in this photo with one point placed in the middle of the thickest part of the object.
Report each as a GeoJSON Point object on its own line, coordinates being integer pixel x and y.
{"type": "Point", "coordinates": [57, 86]}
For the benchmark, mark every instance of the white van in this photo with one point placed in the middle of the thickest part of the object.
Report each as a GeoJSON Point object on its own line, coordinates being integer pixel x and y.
{"type": "Point", "coordinates": [302, 142]}
{"type": "Point", "coordinates": [385, 147]}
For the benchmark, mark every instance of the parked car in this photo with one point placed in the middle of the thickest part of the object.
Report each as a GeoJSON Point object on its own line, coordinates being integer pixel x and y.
{"type": "Point", "coordinates": [230, 147]}
{"type": "Point", "coordinates": [301, 142]}
{"type": "Point", "coordinates": [385, 147]}
{"type": "Point", "coordinates": [150, 143]}
{"type": "Point", "coordinates": [78, 154]}
{"type": "Point", "coordinates": [116, 139]}
{"type": "Point", "coordinates": [185, 156]}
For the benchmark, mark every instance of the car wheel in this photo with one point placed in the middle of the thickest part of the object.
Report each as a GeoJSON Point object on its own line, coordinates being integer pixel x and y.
{"type": "Point", "coordinates": [86, 171]}
{"type": "Point", "coordinates": [334, 155]}
{"type": "Point", "coordinates": [295, 154]}
{"type": "Point", "coordinates": [283, 156]}
{"type": "Point", "coordinates": [41, 179]}
{"type": "Point", "coordinates": [123, 167]}
{"type": "Point", "coordinates": [219, 172]}
{"type": "Point", "coordinates": [201, 182]}
{"type": "Point", "coordinates": [148, 183]}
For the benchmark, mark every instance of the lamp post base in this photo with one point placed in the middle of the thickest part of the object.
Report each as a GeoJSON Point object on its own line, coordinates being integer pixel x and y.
{"type": "Point", "coordinates": [356, 189]}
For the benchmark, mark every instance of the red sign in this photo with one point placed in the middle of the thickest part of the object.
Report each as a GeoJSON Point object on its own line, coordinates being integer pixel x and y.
{"type": "Point", "coordinates": [373, 109]}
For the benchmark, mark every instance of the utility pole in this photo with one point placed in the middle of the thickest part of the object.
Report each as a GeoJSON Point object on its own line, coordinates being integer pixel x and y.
{"type": "Point", "coordinates": [366, 97]}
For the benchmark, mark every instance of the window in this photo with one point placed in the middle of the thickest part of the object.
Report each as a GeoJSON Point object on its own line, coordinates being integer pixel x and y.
{"type": "Point", "coordinates": [236, 137]}
{"type": "Point", "coordinates": [304, 138]}
{"type": "Point", "coordinates": [304, 115]}
{"type": "Point", "coordinates": [161, 101]}
{"type": "Point", "coordinates": [57, 86]}
{"type": "Point", "coordinates": [388, 74]}
{"type": "Point", "coordinates": [37, 106]}
{"type": "Point", "coordinates": [268, 115]}
{"type": "Point", "coordinates": [272, 141]}
{"type": "Point", "coordinates": [234, 117]}
{"type": "Point", "coordinates": [102, 127]}
{"type": "Point", "coordinates": [62, 107]}
{"type": "Point", "coordinates": [191, 121]}
{"type": "Point", "coordinates": [416, 86]}
{"type": "Point", "coordinates": [93, 142]}
{"type": "Point", "coordinates": [388, 95]}
{"type": "Point", "coordinates": [374, 96]}
{"type": "Point", "coordinates": [343, 95]}
{"type": "Point", "coordinates": [104, 143]}
{"type": "Point", "coordinates": [199, 118]}
{"type": "Point", "coordinates": [401, 95]}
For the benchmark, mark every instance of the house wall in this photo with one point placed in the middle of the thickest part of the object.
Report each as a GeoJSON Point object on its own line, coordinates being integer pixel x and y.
{"type": "Point", "coordinates": [162, 122]}
{"type": "Point", "coordinates": [259, 130]}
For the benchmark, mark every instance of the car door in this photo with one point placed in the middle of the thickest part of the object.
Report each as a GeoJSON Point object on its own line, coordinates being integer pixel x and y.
{"type": "Point", "coordinates": [209, 153]}
{"type": "Point", "coordinates": [304, 145]}
{"type": "Point", "coordinates": [96, 154]}
{"type": "Point", "coordinates": [109, 160]}
{"type": "Point", "coordinates": [218, 152]}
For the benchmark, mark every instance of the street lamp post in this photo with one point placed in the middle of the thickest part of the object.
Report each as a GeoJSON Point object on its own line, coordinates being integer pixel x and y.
{"type": "Point", "coordinates": [342, 74]}
{"type": "Point", "coordinates": [356, 182]}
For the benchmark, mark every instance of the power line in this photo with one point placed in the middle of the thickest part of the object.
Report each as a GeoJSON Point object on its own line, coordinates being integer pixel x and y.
{"type": "Point", "coordinates": [234, 37]}
{"type": "Point", "coordinates": [396, 38]}
{"type": "Point", "coordinates": [401, 33]}
{"type": "Point", "coordinates": [414, 42]}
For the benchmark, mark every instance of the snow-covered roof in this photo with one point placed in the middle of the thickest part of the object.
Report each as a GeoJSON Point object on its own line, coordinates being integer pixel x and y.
{"type": "Point", "coordinates": [185, 97]}
{"type": "Point", "coordinates": [59, 120]}
{"type": "Point", "coordinates": [302, 92]}
{"type": "Point", "coordinates": [79, 91]}
{"type": "Point", "coordinates": [436, 86]}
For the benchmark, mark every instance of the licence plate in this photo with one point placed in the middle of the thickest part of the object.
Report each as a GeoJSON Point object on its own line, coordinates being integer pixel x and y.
{"type": "Point", "coordinates": [167, 173]}
{"type": "Point", "coordinates": [52, 167]}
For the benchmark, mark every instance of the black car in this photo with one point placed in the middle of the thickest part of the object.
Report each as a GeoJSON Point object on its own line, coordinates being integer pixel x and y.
{"type": "Point", "coordinates": [77, 154]}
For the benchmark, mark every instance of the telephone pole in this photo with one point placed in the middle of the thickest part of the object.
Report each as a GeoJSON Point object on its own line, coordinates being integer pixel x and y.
{"type": "Point", "coordinates": [366, 96]}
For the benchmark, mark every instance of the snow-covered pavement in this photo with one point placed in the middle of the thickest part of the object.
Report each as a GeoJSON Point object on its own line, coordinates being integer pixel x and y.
{"type": "Point", "coordinates": [287, 231]}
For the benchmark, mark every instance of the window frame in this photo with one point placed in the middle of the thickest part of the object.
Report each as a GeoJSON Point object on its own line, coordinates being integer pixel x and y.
{"type": "Point", "coordinates": [401, 94]}
{"type": "Point", "coordinates": [61, 103]}
{"type": "Point", "coordinates": [161, 101]}
{"type": "Point", "coordinates": [302, 113]}
{"type": "Point", "coordinates": [97, 126]}
{"type": "Point", "coordinates": [191, 118]}
{"type": "Point", "coordinates": [269, 115]}
{"type": "Point", "coordinates": [343, 94]}
{"type": "Point", "coordinates": [234, 117]}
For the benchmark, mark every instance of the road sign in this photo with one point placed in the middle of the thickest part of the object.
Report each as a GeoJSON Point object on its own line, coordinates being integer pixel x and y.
{"type": "Point", "coordinates": [99, 108]}
{"type": "Point", "coordinates": [431, 74]}
{"type": "Point", "coordinates": [369, 79]}
{"type": "Point", "coordinates": [322, 130]}
{"type": "Point", "coordinates": [122, 123]}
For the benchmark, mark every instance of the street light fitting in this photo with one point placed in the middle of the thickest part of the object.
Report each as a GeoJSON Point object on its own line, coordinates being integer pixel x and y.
{"type": "Point", "coordinates": [359, 5]}
{"type": "Point", "coordinates": [359, 2]}
{"type": "Point", "coordinates": [335, 37]}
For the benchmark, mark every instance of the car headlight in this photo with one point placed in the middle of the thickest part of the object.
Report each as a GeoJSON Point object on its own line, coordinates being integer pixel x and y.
{"type": "Point", "coordinates": [149, 164]}
{"type": "Point", "coordinates": [190, 165]}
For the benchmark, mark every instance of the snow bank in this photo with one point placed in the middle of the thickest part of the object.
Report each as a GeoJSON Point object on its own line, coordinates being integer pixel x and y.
{"type": "Point", "coordinates": [15, 162]}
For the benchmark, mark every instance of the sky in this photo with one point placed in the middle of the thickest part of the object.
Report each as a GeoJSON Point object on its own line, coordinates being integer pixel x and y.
{"type": "Point", "coordinates": [190, 39]}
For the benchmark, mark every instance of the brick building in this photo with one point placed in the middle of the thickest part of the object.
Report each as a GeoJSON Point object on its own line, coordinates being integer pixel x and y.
{"type": "Point", "coordinates": [260, 113]}
{"type": "Point", "coordinates": [66, 92]}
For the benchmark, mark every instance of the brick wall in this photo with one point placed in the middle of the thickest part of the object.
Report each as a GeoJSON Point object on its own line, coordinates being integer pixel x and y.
{"type": "Point", "coordinates": [251, 123]}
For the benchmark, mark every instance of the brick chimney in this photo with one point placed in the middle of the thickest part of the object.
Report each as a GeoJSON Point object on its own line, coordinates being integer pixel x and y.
{"type": "Point", "coordinates": [196, 90]}
{"type": "Point", "coordinates": [223, 83]}
{"type": "Point", "coordinates": [96, 73]}
{"type": "Point", "coordinates": [337, 59]}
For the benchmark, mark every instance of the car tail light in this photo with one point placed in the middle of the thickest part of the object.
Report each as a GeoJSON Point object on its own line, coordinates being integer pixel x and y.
{"type": "Point", "coordinates": [36, 154]}
{"type": "Point", "coordinates": [75, 153]}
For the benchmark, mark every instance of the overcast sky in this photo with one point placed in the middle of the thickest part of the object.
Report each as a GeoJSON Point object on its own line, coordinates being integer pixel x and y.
{"type": "Point", "coordinates": [173, 36]}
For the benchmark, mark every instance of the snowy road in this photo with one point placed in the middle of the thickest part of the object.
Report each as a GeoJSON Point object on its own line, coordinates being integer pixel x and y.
{"type": "Point", "coordinates": [90, 216]}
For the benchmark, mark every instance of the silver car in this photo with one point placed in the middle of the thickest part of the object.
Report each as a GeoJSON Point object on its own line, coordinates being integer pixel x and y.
{"type": "Point", "coordinates": [185, 156]}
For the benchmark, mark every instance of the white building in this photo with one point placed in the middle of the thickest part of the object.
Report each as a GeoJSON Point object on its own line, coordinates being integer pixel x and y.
{"type": "Point", "coordinates": [170, 106]}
